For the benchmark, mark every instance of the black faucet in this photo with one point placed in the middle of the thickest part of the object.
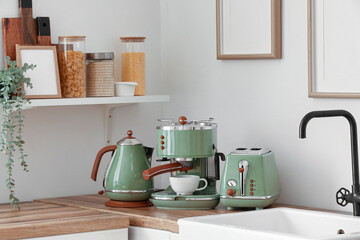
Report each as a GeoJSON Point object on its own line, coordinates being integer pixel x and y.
{"type": "Point", "coordinates": [343, 196]}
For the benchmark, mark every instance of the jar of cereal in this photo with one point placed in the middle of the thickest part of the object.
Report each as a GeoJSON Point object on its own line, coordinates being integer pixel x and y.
{"type": "Point", "coordinates": [133, 62]}
{"type": "Point", "coordinates": [71, 53]}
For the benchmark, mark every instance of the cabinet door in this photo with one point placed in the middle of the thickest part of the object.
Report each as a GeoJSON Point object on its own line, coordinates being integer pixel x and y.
{"type": "Point", "coordinates": [116, 234]}
{"type": "Point", "coordinates": [139, 233]}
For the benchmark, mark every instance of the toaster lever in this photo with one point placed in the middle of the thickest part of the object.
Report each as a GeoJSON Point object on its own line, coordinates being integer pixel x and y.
{"type": "Point", "coordinates": [243, 169]}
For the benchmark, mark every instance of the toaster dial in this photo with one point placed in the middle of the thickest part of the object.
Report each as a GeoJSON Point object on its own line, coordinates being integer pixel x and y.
{"type": "Point", "coordinates": [232, 183]}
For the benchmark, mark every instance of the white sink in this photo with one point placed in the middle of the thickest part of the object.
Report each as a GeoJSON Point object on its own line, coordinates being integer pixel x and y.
{"type": "Point", "coordinates": [270, 224]}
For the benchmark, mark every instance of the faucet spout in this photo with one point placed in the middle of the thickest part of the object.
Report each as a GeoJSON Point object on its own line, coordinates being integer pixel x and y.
{"type": "Point", "coordinates": [354, 145]}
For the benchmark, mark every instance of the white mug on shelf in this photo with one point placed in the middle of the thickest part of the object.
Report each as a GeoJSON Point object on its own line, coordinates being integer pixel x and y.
{"type": "Point", "coordinates": [186, 184]}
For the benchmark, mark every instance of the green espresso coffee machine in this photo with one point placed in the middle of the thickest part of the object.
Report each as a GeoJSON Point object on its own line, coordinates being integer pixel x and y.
{"type": "Point", "coordinates": [189, 147]}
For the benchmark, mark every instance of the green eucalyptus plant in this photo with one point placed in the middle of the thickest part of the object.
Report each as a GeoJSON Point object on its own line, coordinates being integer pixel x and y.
{"type": "Point", "coordinates": [12, 99]}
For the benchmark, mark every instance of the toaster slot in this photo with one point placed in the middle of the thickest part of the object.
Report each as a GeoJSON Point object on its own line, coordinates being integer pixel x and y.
{"type": "Point", "coordinates": [243, 170]}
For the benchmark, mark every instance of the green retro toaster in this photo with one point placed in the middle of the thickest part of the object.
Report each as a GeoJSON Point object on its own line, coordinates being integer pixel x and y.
{"type": "Point", "coordinates": [250, 179]}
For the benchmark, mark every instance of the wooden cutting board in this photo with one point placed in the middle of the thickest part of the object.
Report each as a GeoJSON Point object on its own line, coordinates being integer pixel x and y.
{"type": "Point", "coordinates": [12, 35]}
{"type": "Point", "coordinates": [21, 30]}
{"type": "Point", "coordinates": [43, 31]}
{"type": "Point", "coordinates": [40, 220]}
{"type": "Point", "coordinates": [27, 22]}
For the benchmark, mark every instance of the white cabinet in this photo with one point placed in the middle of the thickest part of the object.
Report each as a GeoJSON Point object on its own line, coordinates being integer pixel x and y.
{"type": "Point", "coordinates": [116, 234]}
{"type": "Point", "coordinates": [131, 233]}
{"type": "Point", "coordinates": [139, 233]}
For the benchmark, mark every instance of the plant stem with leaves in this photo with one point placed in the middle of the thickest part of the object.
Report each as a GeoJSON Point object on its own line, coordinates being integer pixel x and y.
{"type": "Point", "coordinates": [12, 99]}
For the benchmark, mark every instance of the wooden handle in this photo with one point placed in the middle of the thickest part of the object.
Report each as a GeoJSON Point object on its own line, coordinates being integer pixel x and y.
{"type": "Point", "coordinates": [27, 21]}
{"type": "Point", "coordinates": [44, 40]}
{"type": "Point", "coordinates": [104, 150]}
{"type": "Point", "coordinates": [43, 31]}
{"type": "Point", "coordinates": [152, 172]}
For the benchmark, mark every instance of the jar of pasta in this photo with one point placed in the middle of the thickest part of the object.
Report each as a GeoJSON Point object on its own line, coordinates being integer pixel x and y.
{"type": "Point", "coordinates": [71, 54]}
{"type": "Point", "coordinates": [133, 62]}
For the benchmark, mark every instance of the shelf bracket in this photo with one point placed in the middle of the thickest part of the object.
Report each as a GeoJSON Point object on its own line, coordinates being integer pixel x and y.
{"type": "Point", "coordinates": [108, 111]}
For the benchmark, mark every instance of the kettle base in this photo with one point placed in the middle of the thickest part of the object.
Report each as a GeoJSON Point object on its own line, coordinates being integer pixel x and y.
{"type": "Point", "coordinates": [120, 204]}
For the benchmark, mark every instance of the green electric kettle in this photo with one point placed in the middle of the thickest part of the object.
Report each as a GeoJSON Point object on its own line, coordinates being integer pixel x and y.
{"type": "Point", "coordinates": [123, 182]}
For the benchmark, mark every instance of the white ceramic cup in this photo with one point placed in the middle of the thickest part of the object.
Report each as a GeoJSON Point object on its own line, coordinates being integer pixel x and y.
{"type": "Point", "coordinates": [186, 184]}
{"type": "Point", "coordinates": [125, 89]}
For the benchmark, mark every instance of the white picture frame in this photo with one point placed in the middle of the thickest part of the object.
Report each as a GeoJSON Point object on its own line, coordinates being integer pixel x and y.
{"type": "Point", "coordinates": [248, 29]}
{"type": "Point", "coordinates": [333, 62]}
{"type": "Point", "coordinates": [45, 76]}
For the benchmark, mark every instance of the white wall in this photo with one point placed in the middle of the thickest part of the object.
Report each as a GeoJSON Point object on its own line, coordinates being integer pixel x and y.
{"type": "Point", "coordinates": [258, 102]}
{"type": "Point", "coordinates": [62, 142]}
{"type": "Point", "coordinates": [255, 102]}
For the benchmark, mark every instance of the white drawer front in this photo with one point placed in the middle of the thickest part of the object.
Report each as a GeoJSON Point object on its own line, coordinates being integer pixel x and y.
{"type": "Point", "coordinates": [116, 234]}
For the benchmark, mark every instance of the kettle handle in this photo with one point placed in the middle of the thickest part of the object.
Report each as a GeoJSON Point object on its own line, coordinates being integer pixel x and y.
{"type": "Point", "coordinates": [110, 148]}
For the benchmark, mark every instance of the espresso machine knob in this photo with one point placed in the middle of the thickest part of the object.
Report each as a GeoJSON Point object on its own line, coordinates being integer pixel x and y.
{"type": "Point", "coordinates": [182, 120]}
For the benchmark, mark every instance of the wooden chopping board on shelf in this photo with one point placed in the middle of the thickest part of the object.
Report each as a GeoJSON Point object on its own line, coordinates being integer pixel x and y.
{"type": "Point", "coordinates": [21, 30]}
{"type": "Point", "coordinates": [43, 31]}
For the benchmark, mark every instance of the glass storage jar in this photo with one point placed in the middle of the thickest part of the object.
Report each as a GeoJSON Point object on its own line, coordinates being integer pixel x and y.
{"type": "Point", "coordinates": [72, 66]}
{"type": "Point", "coordinates": [100, 74]}
{"type": "Point", "coordinates": [133, 62]}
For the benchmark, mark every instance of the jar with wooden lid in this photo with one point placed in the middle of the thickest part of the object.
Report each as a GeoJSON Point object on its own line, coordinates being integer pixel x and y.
{"type": "Point", "coordinates": [133, 62]}
{"type": "Point", "coordinates": [71, 54]}
{"type": "Point", "coordinates": [100, 74]}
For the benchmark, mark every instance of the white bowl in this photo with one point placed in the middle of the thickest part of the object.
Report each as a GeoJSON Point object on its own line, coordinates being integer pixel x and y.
{"type": "Point", "coordinates": [125, 89]}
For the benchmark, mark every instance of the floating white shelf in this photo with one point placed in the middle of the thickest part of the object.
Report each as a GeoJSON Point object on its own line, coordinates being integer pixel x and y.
{"type": "Point", "coordinates": [118, 101]}
{"type": "Point", "coordinates": [109, 103]}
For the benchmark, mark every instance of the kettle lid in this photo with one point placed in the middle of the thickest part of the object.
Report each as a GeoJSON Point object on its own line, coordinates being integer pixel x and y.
{"type": "Point", "coordinates": [129, 140]}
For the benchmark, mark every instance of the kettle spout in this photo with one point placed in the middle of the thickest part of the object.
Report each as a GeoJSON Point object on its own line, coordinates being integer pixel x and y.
{"type": "Point", "coordinates": [148, 152]}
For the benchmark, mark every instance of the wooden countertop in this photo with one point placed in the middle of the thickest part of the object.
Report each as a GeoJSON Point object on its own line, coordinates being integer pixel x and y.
{"type": "Point", "coordinates": [148, 217]}
{"type": "Point", "coordinates": [36, 219]}
{"type": "Point", "coordinates": [76, 214]}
